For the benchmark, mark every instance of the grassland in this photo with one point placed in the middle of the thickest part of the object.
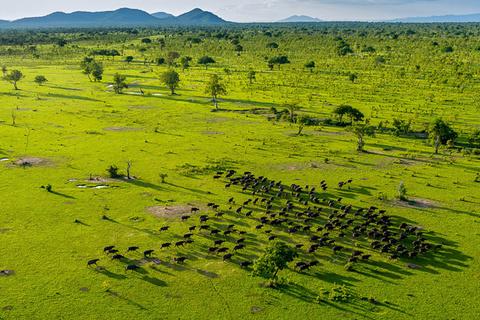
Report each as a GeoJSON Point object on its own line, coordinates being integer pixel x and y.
{"type": "Point", "coordinates": [70, 129]}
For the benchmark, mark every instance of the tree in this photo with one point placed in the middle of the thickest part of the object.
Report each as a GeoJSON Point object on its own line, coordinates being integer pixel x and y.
{"type": "Point", "coordinates": [4, 70]}
{"type": "Point", "coordinates": [160, 61]}
{"type": "Point", "coordinates": [228, 72]}
{"type": "Point", "coordinates": [352, 77]}
{"type": "Point", "coordinates": [13, 77]}
{"type": "Point", "coordinates": [474, 136]}
{"type": "Point", "coordinates": [97, 71]}
{"type": "Point", "coordinates": [291, 107]}
{"type": "Point", "coordinates": [360, 131]}
{"type": "Point", "coordinates": [310, 65]}
{"type": "Point", "coordinates": [171, 57]}
{"type": "Point", "coordinates": [184, 61]}
{"type": "Point", "coordinates": [275, 258]}
{"type": "Point", "coordinates": [251, 75]}
{"type": "Point", "coordinates": [86, 66]}
{"type": "Point", "coordinates": [279, 60]}
{"type": "Point", "coordinates": [272, 45]}
{"type": "Point", "coordinates": [146, 41]}
{"type": "Point", "coordinates": [129, 59]}
{"type": "Point", "coordinates": [215, 88]}
{"type": "Point", "coordinates": [62, 43]}
{"type": "Point", "coordinates": [238, 48]}
{"type": "Point", "coordinates": [40, 80]}
{"type": "Point", "coordinates": [171, 79]}
{"type": "Point", "coordinates": [343, 48]}
{"type": "Point", "coordinates": [353, 113]}
{"type": "Point", "coordinates": [440, 132]}
{"type": "Point", "coordinates": [206, 60]}
{"type": "Point", "coordinates": [119, 83]}
{"type": "Point", "coordinates": [302, 121]}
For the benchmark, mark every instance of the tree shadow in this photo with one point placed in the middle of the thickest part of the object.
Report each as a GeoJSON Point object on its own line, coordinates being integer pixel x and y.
{"type": "Point", "coordinates": [155, 281]}
{"type": "Point", "coordinates": [112, 274]}
{"type": "Point", "coordinates": [62, 194]}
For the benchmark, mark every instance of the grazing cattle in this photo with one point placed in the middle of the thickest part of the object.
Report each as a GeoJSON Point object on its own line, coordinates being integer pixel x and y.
{"type": "Point", "coordinates": [223, 249]}
{"type": "Point", "coordinates": [366, 257]}
{"type": "Point", "coordinates": [248, 214]}
{"type": "Point", "coordinates": [238, 247]}
{"type": "Point", "coordinates": [219, 214]}
{"type": "Point", "coordinates": [227, 232]}
{"type": "Point", "coordinates": [218, 242]}
{"type": "Point", "coordinates": [272, 238]}
{"type": "Point", "coordinates": [204, 227]}
{"type": "Point", "coordinates": [304, 267]}
{"type": "Point", "coordinates": [212, 249]}
{"type": "Point", "coordinates": [313, 263]}
{"type": "Point", "coordinates": [165, 245]}
{"type": "Point", "coordinates": [353, 259]}
{"type": "Point", "coordinates": [184, 218]}
{"type": "Point", "coordinates": [217, 177]}
{"type": "Point", "coordinates": [131, 267]}
{"type": "Point", "coordinates": [356, 253]}
{"type": "Point", "coordinates": [180, 259]}
{"type": "Point", "coordinates": [179, 243]}
{"type": "Point", "coordinates": [215, 206]}
{"type": "Point", "coordinates": [239, 210]}
{"type": "Point", "coordinates": [337, 248]}
{"type": "Point", "coordinates": [214, 231]}
{"type": "Point", "coordinates": [164, 228]}
{"type": "Point", "coordinates": [245, 264]}
{"type": "Point", "coordinates": [188, 241]}
{"type": "Point", "coordinates": [394, 257]}
{"type": "Point", "coordinates": [298, 246]}
{"type": "Point", "coordinates": [148, 253]}
{"type": "Point", "coordinates": [108, 248]}
{"type": "Point", "coordinates": [242, 232]}
{"type": "Point", "coordinates": [91, 262]}
{"type": "Point", "coordinates": [240, 240]}
{"type": "Point", "coordinates": [194, 210]}
{"type": "Point", "coordinates": [231, 200]}
{"type": "Point", "coordinates": [299, 264]}
{"type": "Point", "coordinates": [187, 235]}
{"type": "Point", "coordinates": [132, 249]}
{"type": "Point", "coordinates": [117, 257]}
{"type": "Point", "coordinates": [112, 251]}
{"type": "Point", "coordinates": [192, 228]}
{"type": "Point", "coordinates": [227, 256]}
{"type": "Point", "coordinates": [259, 226]}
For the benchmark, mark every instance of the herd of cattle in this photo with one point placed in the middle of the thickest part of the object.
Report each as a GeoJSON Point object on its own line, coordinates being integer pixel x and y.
{"type": "Point", "coordinates": [301, 215]}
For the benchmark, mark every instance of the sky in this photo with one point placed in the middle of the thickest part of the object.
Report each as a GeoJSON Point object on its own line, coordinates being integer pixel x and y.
{"type": "Point", "coordinates": [255, 10]}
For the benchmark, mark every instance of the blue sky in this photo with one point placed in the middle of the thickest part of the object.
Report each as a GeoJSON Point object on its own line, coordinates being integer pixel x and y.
{"type": "Point", "coordinates": [255, 10]}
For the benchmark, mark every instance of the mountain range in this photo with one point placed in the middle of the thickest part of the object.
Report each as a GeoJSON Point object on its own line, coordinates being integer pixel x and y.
{"type": "Point", "coordinates": [135, 17]}
{"type": "Point", "coordinates": [118, 18]}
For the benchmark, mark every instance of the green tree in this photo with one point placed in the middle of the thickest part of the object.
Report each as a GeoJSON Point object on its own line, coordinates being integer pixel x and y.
{"type": "Point", "coordinates": [119, 83]}
{"type": "Point", "coordinates": [206, 60]}
{"type": "Point", "coordinates": [185, 62]}
{"type": "Point", "coordinates": [352, 77]}
{"type": "Point", "coordinates": [440, 132]}
{"type": "Point", "coordinates": [97, 71]}
{"type": "Point", "coordinates": [251, 75]}
{"type": "Point", "coordinates": [13, 77]}
{"type": "Point", "coordinates": [275, 258]}
{"type": "Point", "coordinates": [343, 48]}
{"type": "Point", "coordinates": [129, 59]}
{"type": "Point", "coordinates": [279, 60]}
{"type": "Point", "coordinates": [4, 70]}
{"type": "Point", "coordinates": [474, 136]}
{"type": "Point", "coordinates": [360, 131]}
{"type": "Point", "coordinates": [215, 87]}
{"type": "Point", "coordinates": [171, 79]}
{"type": "Point", "coordinates": [146, 41]}
{"type": "Point", "coordinates": [291, 107]}
{"type": "Point", "coordinates": [272, 45]}
{"type": "Point", "coordinates": [171, 57]}
{"type": "Point", "coordinates": [353, 113]}
{"type": "Point", "coordinates": [62, 43]}
{"type": "Point", "coordinates": [302, 121]}
{"type": "Point", "coordinates": [86, 66]}
{"type": "Point", "coordinates": [310, 65]}
{"type": "Point", "coordinates": [40, 80]}
{"type": "Point", "coordinates": [160, 60]}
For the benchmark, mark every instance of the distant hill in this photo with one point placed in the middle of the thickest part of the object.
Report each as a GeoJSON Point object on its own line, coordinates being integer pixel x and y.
{"type": "Point", "coordinates": [300, 19]}
{"type": "Point", "coordinates": [446, 18]}
{"type": "Point", "coordinates": [197, 16]}
{"type": "Point", "coordinates": [118, 18]}
{"type": "Point", "coordinates": [162, 15]}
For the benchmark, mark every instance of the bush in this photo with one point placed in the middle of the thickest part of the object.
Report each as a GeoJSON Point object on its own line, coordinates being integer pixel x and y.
{"type": "Point", "coordinates": [48, 187]}
{"type": "Point", "coordinates": [112, 171]}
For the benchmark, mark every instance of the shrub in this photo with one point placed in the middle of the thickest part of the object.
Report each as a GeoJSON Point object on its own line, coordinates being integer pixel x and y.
{"type": "Point", "coordinates": [48, 187]}
{"type": "Point", "coordinates": [112, 171]}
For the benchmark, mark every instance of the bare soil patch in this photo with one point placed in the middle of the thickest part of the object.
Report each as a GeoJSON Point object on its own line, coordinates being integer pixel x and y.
{"type": "Point", "coordinates": [416, 203]}
{"type": "Point", "coordinates": [256, 309]}
{"type": "Point", "coordinates": [212, 132]}
{"type": "Point", "coordinates": [122, 129]}
{"type": "Point", "coordinates": [140, 108]}
{"type": "Point", "coordinates": [412, 266]}
{"type": "Point", "coordinates": [171, 211]}
{"type": "Point", "coordinates": [33, 161]}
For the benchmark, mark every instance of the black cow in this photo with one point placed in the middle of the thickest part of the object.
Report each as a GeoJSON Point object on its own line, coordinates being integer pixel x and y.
{"type": "Point", "coordinates": [131, 267]}
{"type": "Point", "coordinates": [147, 253]}
{"type": "Point", "coordinates": [132, 249]}
{"type": "Point", "coordinates": [94, 261]}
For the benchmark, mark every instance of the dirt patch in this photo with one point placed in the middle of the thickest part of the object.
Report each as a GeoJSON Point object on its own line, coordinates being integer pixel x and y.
{"type": "Point", "coordinates": [7, 308]}
{"type": "Point", "coordinates": [145, 261]}
{"type": "Point", "coordinates": [212, 132]}
{"type": "Point", "coordinates": [83, 289]}
{"type": "Point", "coordinates": [412, 266]}
{"type": "Point", "coordinates": [256, 309]}
{"type": "Point", "coordinates": [4, 230]}
{"type": "Point", "coordinates": [140, 108]}
{"type": "Point", "coordinates": [416, 203]}
{"type": "Point", "coordinates": [32, 161]}
{"type": "Point", "coordinates": [171, 211]}
{"type": "Point", "coordinates": [122, 129]}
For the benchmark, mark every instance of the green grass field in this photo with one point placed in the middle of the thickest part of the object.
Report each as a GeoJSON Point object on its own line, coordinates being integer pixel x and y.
{"type": "Point", "coordinates": [70, 130]}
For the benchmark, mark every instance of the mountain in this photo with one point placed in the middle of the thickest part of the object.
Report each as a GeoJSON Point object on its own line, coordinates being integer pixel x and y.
{"type": "Point", "coordinates": [118, 18]}
{"type": "Point", "coordinates": [197, 17]}
{"type": "Point", "coordinates": [300, 19]}
{"type": "Point", "coordinates": [446, 18]}
{"type": "Point", "coordinates": [162, 15]}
